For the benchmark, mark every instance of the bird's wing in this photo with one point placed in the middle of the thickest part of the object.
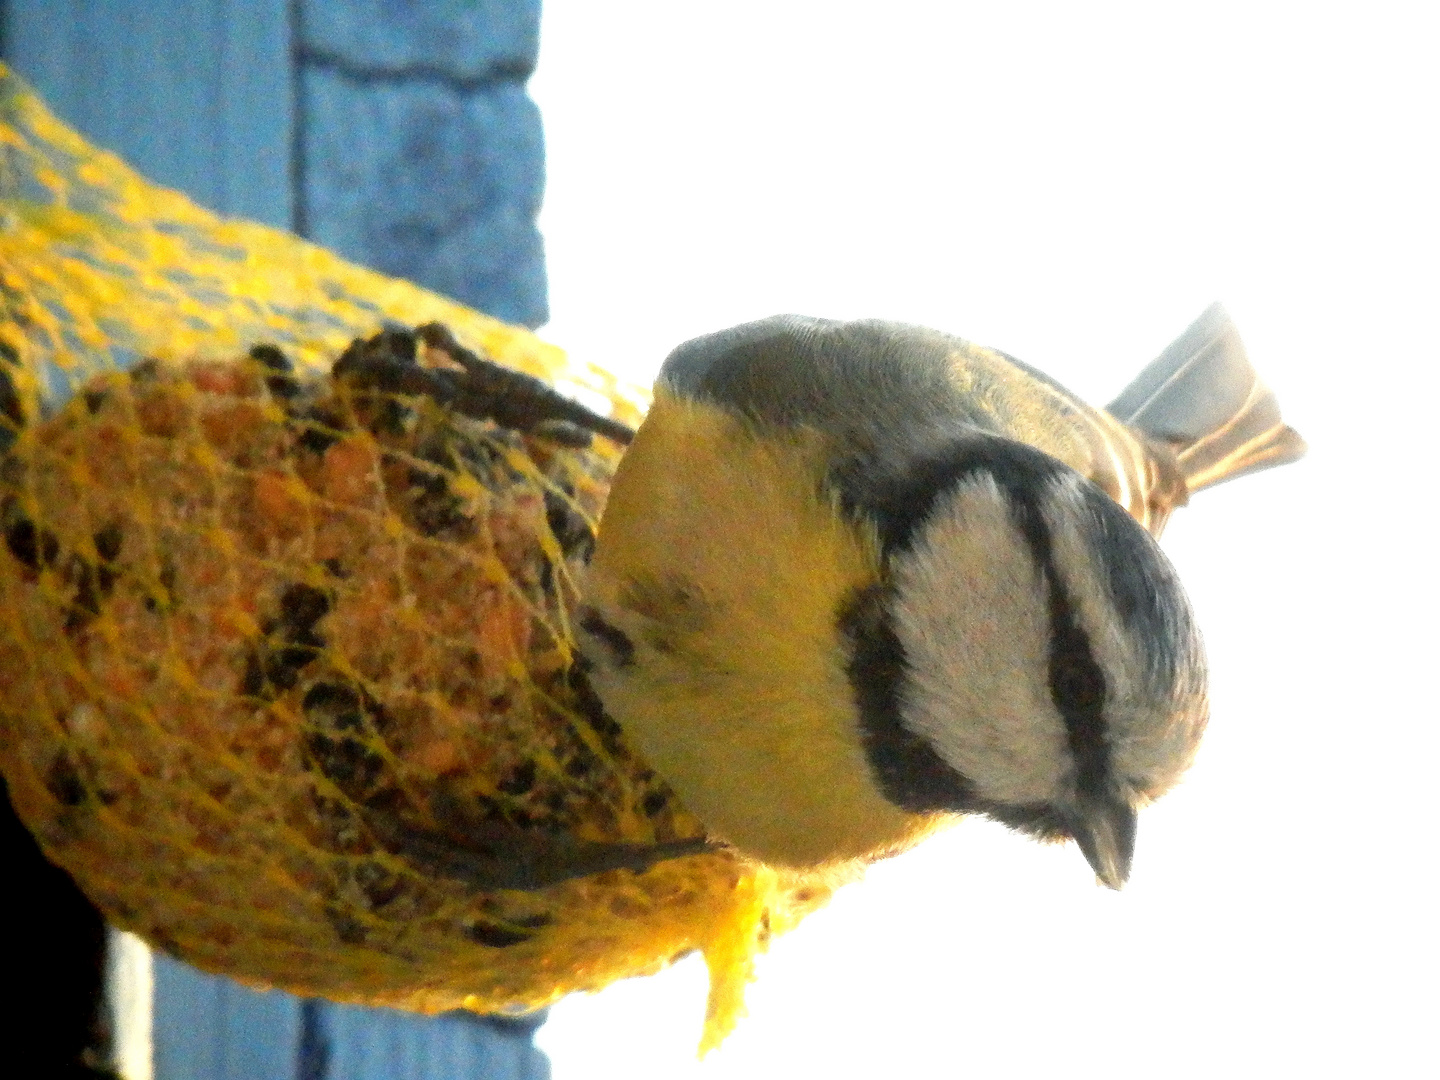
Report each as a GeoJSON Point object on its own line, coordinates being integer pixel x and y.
{"type": "Point", "coordinates": [1202, 398]}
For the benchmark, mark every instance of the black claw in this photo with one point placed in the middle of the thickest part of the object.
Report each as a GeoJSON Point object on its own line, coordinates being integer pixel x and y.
{"type": "Point", "coordinates": [483, 390]}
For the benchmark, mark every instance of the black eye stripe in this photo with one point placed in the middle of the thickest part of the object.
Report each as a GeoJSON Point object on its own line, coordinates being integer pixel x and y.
{"type": "Point", "coordinates": [1077, 682]}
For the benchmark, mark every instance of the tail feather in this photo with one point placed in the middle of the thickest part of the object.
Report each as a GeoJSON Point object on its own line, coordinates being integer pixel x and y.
{"type": "Point", "coordinates": [1202, 398]}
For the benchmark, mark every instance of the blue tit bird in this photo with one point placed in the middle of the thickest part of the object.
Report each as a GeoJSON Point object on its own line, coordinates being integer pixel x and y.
{"type": "Point", "coordinates": [856, 577]}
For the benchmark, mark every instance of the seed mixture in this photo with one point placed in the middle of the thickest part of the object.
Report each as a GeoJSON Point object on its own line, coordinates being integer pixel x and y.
{"type": "Point", "coordinates": [294, 698]}
{"type": "Point", "coordinates": [287, 679]}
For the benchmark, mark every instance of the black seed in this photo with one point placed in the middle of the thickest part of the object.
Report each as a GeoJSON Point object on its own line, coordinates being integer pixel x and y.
{"type": "Point", "coordinates": [379, 885]}
{"type": "Point", "coordinates": [168, 576]}
{"type": "Point", "coordinates": [342, 826]}
{"type": "Point", "coordinates": [292, 643]}
{"type": "Point", "coordinates": [145, 371]}
{"type": "Point", "coordinates": [92, 584]}
{"type": "Point", "coordinates": [396, 343]}
{"type": "Point", "coordinates": [521, 780]}
{"type": "Point", "coordinates": [316, 440]}
{"type": "Point", "coordinates": [334, 567]}
{"type": "Point", "coordinates": [347, 928]}
{"type": "Point", "coordinates": [301, 607]}
{"type": "Point", "coordinates": [321, 431]}
{"type": "Point", "coordinates": [387, 800]}
{"type": "Point", "coordinates": [653, 803]}
{"type": "Point", "coordinates": [62, 781]}
{"type": "Point", "coordinates": [252, 683]}
{"type": "Point", "coordinates": [393, 418]}
{"type": "Point", "coordinates": [341, 707]}
{"type": "Point", "coordinates": [298, 645]}
{"type": "Point", "coordinates": [33, 547]}
{"type": "Point", "coordinates": [490, 810]}
{"type": "Point", "coordinates": [282, 383]}
{"type": "Point", "coordinates": [95, 400]}
{"type": "Point", "coordinates": [284, 665]}
{"type": "Point", "coordinates": [282, 386]}
{"type": "Point", "coordinates": [86, 604]}
{"type": "Point", "coordinates": [347, 763]}
{"type": "Point", "coordinates": [271, 357]}
{"type": "Point", "coordinates": [334, 705]}
{"type": "Point", "coordinates": [497, 937]}
{"type": "Point", "coordinates": [108, 542]}
{"type": "Point", "coordinates": [434, 508]}
{"type": "Point", "coordinates": [591, 708]}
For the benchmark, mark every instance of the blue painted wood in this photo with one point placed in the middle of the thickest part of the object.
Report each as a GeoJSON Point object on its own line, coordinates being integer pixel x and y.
{"type": "Point", "coordinates": [208, 1027]}
{"type": "Point", "coordinates": [431, 183]}
{"type": "Point", "coordinates": [420, 153]}
{"type": "Point", "coordinates": [196, 94]}
{"type": "Point", "coordinates": [422, 156]}
{"type": "Point", "coordinates": [465, 40]}
{"type": "Point", "coordinates": [381, 1044]}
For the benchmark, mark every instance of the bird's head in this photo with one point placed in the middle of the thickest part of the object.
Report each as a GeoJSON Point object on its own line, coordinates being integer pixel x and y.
{"type": "Point", "coordinates": [1030, 656]}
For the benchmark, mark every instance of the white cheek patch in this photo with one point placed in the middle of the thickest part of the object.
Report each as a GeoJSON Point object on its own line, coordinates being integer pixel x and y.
{"type": "Point", "coordinates": [971, 611]}
{"type": "Point", "coordinates": [1152, 735]}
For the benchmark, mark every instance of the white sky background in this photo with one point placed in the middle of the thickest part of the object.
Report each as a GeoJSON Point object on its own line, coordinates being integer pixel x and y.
{"type": "Point", "coordinates": [1073, 184]}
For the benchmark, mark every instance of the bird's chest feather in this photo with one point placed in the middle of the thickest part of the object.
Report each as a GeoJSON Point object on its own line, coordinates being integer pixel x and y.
{"type": "Point", "coordinates": [720, 569]}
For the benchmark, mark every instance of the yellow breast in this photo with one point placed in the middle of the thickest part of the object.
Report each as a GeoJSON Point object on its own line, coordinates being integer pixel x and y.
{"type": "Point", "coordinates": [725, 562]}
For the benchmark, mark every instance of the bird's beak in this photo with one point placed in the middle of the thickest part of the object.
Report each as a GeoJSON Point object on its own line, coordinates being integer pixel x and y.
{"type": "Point", "coordinates": [1105, 831]}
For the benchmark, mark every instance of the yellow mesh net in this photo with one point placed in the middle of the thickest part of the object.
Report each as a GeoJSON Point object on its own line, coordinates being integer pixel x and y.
{"type": "Point", "coordinates": [286, 670]}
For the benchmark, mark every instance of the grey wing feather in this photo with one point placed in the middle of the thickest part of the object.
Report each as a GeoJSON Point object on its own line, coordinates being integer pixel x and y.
{"type": "Point", "coordinates": [1203, 399]}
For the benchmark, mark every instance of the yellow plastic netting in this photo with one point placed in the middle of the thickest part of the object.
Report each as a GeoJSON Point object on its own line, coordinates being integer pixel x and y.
{"type": "Point", "coordinates": [285, 663]}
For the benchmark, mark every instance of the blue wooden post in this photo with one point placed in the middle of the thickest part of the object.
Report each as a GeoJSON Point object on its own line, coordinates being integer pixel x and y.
{"type": "Point", "coordinates": [213, 1028]}
{"type": "Point", "coordinates": [401, 136]}
{"type": "Point", "coordinates": [419, 151]}
{"type": "Point", "coordinates": [199, 96]}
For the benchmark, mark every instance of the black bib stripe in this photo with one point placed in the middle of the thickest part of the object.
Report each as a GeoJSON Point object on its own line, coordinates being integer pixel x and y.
{"type": "Point", "coordinates": [908, 770]}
